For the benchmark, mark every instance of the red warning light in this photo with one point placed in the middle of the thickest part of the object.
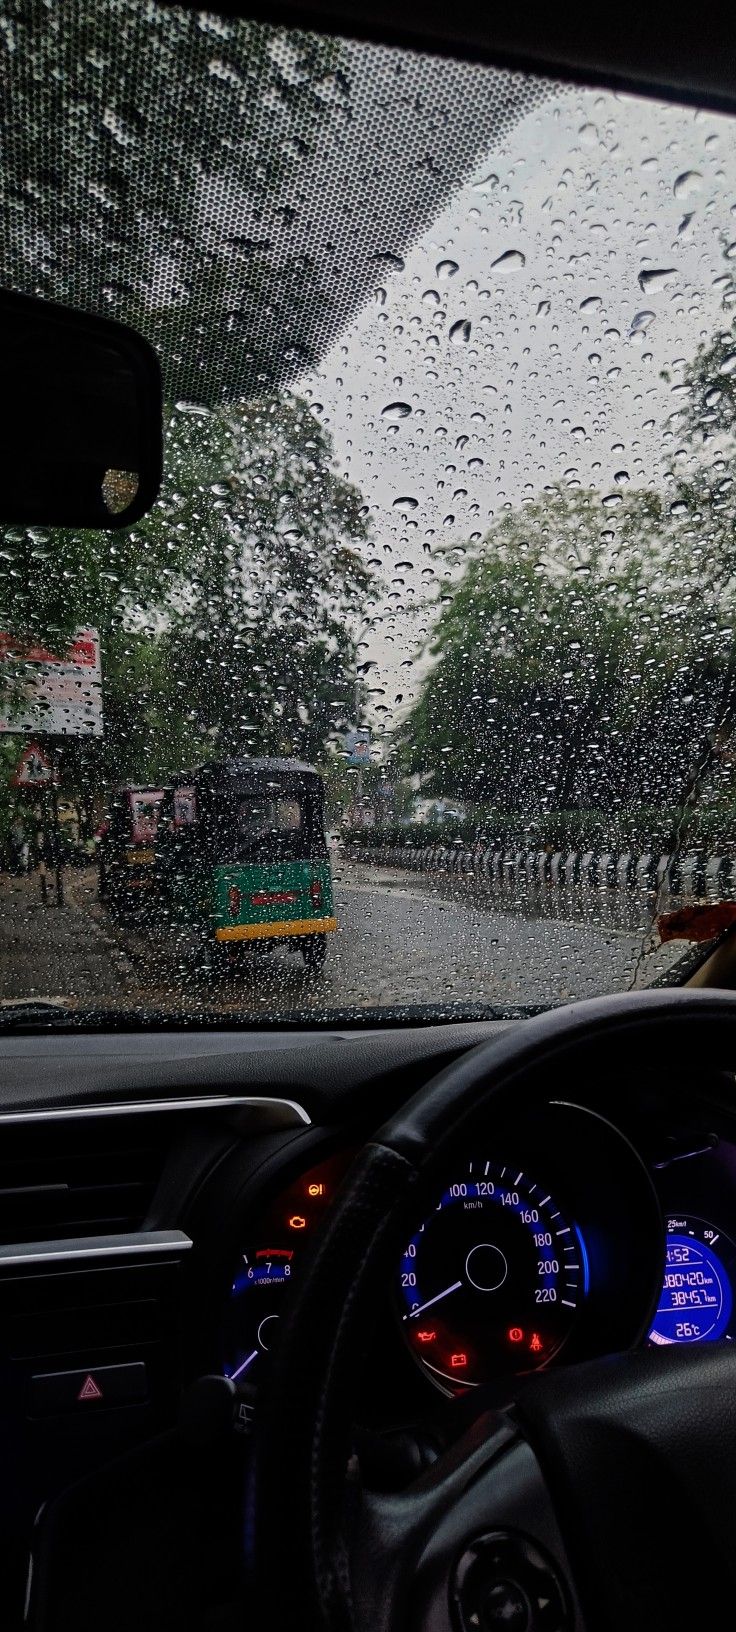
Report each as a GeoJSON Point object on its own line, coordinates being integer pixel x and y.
{"type": "Point", "coordinates": [536, 1343]}
{"type": "Point", "coordinates": [90, 1390]}
{"type": "Point", "coordinates": [296, 1222]}
{"type": "Point", "coordinates": [457, 1360]}
{"type": "Point", "coordinates": [516, 1334]}
{"type": "Point", "coordinates": [315, 1189]}
{"type": "Point", "coordinates": [426, 1337]}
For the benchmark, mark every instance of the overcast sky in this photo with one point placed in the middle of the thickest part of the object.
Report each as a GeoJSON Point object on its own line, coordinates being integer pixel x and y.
{"type": "Point", "coordinates": [546, 252]}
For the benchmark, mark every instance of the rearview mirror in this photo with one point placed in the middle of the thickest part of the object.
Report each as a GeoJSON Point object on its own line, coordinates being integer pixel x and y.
{"type": "Point", "coordinates": [83, 438]}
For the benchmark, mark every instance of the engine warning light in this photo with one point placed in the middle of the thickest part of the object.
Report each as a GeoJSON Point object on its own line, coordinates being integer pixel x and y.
{"type": "Point", "coordinates": [536, 1343]}
{"type": "Point", "coordinates": [426, 1337]}
{"type": "Point", "coordinates": [515, 1334]}
{"type": "Point", "coordinates": [458, 1360]}
{"type": "Point", "coordinates": [315, 1189]}
{"type": "Point", "coordinates": [297, 1222]}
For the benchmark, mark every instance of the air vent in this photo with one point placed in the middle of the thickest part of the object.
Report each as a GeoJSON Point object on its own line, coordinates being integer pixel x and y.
{"type": "Point", "coordinates": [86, 1178]}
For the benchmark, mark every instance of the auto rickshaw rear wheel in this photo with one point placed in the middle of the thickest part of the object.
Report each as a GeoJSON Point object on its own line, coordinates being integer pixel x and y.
{"type": "Point", "coordinates": [314, 951]}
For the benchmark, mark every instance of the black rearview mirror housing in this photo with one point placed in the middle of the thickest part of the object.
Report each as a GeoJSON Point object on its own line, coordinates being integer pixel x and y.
{"type": "Point", "coordinates": [82, 444]}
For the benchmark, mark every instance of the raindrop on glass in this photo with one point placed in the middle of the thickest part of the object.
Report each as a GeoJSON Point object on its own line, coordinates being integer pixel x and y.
{"type": "Point", "coordinates": [396, 410]}
{"type": "Point", "coordinates": [385, 257]}
{"type": "Point", "coordinates": [511, 261]}
{"type": "Point", "coordinates": [652, 279]}
{"type": "Point", "coordinates": [687, 183]}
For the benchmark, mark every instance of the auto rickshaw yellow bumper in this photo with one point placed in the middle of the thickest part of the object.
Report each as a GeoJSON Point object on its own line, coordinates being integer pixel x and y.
{"type": "Point", "coordinates": [283, 930]}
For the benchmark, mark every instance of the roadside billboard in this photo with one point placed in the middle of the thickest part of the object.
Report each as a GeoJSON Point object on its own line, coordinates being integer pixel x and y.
{"type": "Point", "coordinates": [58, 693]}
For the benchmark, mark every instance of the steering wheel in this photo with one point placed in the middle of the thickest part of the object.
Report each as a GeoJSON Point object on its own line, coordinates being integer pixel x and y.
{"type": "Point", "coordinates": [605, 1497]}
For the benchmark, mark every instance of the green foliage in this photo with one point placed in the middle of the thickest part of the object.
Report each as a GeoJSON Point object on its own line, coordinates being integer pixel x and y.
{"type": "Point", "coordinates": [153, 141]}
{"type": "Point", "coordinates": [258, 641]}
{"type": "Point", "coordinates": [577, 662]}
{"type": "Point", "coordinates": [224, 613]}
{"type": "Point", "coordinates": [534, 649]}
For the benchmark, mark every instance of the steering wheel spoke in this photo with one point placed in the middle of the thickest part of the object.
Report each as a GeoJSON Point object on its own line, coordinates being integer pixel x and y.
{"type": "Point", "coordinates": [471, 1546]}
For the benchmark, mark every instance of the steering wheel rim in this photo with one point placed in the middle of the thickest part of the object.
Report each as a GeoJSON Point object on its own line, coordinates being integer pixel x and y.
{"type": "Point", "coordinates": [298, 1495]}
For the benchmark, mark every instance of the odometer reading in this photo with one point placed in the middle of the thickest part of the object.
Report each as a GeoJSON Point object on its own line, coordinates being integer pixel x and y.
{"type": "Point", "coordinates": [493, 1279]}
{"type": "Point", "coordinates": [696, 1301]}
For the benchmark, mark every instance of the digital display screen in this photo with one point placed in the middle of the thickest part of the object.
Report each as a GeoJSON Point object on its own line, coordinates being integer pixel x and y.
{"type": "Point", "coordinates": [696, 1301]}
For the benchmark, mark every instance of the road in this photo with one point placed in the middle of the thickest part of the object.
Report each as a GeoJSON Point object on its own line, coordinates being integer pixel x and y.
{"type": "Point", "coordinates": [400, 941]}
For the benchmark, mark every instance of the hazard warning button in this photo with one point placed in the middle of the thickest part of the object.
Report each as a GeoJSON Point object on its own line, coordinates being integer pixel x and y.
{"type": "Point", "coordinates": [90, 1390]}
{"type": "Point", "coordinates": [54, 1392]}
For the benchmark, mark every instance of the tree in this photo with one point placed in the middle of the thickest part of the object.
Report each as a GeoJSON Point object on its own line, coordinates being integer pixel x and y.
{"type": "Point", "coordinates": [258, 637]}
{"type": "Point", "coordinates": [563, 673]}
{"type": "Point", "coordinates": [147, 146]}
{"type": "Point", "coordinates": [702, 524]}
{"type": "Point", "coordinates": [224, 614]}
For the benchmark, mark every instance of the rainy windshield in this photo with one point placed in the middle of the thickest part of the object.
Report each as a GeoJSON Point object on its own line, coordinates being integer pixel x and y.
{"type": "Point", "coordinates": [415, 688]}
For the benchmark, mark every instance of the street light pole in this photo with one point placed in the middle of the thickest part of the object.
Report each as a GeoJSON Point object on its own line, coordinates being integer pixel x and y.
{"type": "Point", "coordinates": [57, 833]}
{"type": "Point", "coordinates": [359, 783]}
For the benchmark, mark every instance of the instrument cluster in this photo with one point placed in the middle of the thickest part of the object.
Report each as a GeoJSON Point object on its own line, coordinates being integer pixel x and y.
{"type": "Point", "coordinates": [559, 1241]}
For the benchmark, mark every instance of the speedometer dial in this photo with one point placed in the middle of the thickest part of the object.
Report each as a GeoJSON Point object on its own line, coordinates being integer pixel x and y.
{"type": "Point", "coordinates": [493, 1278]}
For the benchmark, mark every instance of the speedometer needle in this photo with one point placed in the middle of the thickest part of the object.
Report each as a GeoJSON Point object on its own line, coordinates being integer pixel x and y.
{"type": "Point", "coordinates": [448, 1289]}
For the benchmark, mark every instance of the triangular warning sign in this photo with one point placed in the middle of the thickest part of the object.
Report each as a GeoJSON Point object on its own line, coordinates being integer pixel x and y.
{"type": "Point", "coordinates": [89, 1390]}
{"type": "Point", "coordinates": [34, 769]}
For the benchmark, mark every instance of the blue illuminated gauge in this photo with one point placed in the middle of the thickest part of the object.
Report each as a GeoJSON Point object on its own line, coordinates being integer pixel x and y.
{"type": "Point", "coordinates": [493, 1279]}
{"type": "Point", "coordinates": [696, 1301]}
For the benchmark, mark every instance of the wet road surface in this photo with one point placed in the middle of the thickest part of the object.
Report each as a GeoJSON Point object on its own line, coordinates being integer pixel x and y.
{"type": "Point", "coordinates": [401, 940]}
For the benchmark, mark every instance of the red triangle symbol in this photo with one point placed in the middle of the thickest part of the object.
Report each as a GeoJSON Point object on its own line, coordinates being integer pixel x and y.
{"type": "Point", "coordinates": [89, 1390]}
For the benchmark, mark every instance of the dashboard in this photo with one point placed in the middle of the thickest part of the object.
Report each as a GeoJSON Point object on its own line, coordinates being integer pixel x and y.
{"type": "Point", "coordinates": [160, 1198]}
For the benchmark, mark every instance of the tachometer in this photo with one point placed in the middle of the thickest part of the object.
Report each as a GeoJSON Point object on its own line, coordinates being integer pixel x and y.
{"type": "Point", "coordinates": [492, 1281]}
{"type": "Point", "coordinates": [267, 1264]}
{"type": "Point", "coordinates": [696, 1301]}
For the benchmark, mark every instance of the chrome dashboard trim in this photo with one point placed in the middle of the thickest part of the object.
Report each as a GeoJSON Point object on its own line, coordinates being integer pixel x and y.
{"type": "Point", "coordinates": [142, 1107]}
{"type": "Point", "coordinates": [136, 1243]}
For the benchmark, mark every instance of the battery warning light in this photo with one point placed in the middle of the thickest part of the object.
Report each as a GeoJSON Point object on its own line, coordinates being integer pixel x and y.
{"type": "Point", "coordinates": [536, 1343]}
{"type": "Point", "coordinates": [516, 1334]}
{"type": "Point", "coordinates": [315, 1189]}
{"type": "Point", "coordinates": [458, 1360]}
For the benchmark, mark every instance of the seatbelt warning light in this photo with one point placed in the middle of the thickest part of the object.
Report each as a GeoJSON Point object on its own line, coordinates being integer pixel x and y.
{"type": "Point", "coordinates": [536, 1343]}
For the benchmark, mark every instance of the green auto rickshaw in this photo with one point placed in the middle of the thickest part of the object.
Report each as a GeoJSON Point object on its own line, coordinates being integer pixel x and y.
{"type": "Point", "coordinates": [242, 851]}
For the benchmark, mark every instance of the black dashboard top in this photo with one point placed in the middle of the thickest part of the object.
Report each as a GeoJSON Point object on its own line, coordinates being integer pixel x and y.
{"type": "Point", "coordinates": [316, 1068]}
